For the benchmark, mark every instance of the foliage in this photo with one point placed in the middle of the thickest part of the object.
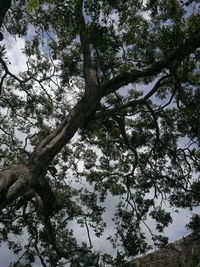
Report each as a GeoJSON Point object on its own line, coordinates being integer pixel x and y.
{"type": "Point", "coordinates": [124, 77]}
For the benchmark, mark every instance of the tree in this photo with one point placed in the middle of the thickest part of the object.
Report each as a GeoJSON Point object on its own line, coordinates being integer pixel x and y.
{"type": "Point", "coordinates": [110, 97]}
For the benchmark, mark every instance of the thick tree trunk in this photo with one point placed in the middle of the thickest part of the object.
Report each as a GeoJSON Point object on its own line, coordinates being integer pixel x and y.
{"type": "Point", "coordinates": [14, 182]}
{"type": "Point", "coordinates": [18, 180]}
{"type": "Point", "coordinates": [21, 183]}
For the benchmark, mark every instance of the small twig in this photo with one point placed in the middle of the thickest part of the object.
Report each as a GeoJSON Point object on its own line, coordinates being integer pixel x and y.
{"type": "Point", "coordinates": [88, 233]}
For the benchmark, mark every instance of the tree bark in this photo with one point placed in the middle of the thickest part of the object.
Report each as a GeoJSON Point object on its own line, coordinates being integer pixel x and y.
{"type": "Point", "coordinates": [14, 182]}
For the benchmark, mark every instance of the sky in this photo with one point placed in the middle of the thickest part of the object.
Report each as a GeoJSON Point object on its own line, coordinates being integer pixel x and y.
{"type": "Point", "coordinates": [175, 231]}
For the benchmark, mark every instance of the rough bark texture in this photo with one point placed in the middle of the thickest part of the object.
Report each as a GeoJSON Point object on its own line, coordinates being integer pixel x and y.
{"type": "Point", "coordinates": [14, 182]}
{"type": "Point", "coordinates": [182, 253]}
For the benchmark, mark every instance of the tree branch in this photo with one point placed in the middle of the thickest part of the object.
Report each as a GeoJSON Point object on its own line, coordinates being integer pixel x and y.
{"type": "Point", "coordinates": [7, 72]}
{"type": "Point", "coordinates": [53, 143]}
{"type": "Point", "coordinates": [185, 49]}
{"type": "Point", "coordinates": [90, 75]}
{"type": "Point", "coordinates": [135, 102]}
{"type": "Point", "coordinates": [60, 250]}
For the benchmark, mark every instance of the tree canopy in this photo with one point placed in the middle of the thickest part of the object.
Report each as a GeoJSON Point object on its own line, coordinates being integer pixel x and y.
{"type": "Point", "coordinates": [109, 105]}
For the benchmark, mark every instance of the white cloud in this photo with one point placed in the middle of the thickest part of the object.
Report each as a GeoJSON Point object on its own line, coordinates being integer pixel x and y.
{"type": "Point", "coordinates": [14, 47]}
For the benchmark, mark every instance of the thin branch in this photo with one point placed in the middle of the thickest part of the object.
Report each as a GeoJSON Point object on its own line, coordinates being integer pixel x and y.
{"type": "Point", "coordinates": [88, 233]}
{"type": "Point", "coordinates": [155, 121]}
{"type": "Point", "coordinates": [25, 252]}
{"type": "Point", "coordinates": [60, 251]}
{"type": "Point", "coordinates": [134, 102]}
{"type": "Point", "coordinates": [157, 139]}
{"type": "Point", "coordinates": [169, 102]}
{"type": "Point", "coordinates": [121, 124]}
{"type": "Point", "coordinates": [1, 82]}
{"type": "Point", "coordinates": [8, 72]}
